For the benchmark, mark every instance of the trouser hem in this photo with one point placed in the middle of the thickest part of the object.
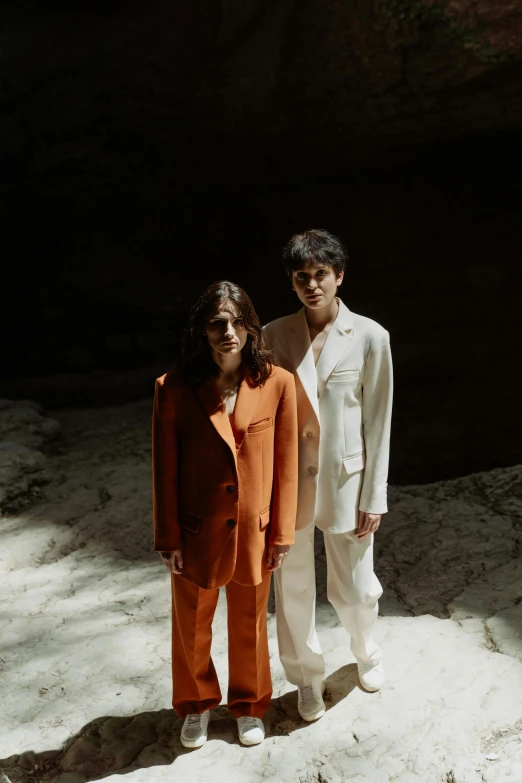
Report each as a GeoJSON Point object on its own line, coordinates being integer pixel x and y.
{"type": "Point", "coordinates": [195, 708]}
{"type": "Point", "coordinates": [248, 710]}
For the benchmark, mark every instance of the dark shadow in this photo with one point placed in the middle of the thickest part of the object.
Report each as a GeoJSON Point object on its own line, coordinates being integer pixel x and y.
{"type": "Point", "coordinates": [118, 745]}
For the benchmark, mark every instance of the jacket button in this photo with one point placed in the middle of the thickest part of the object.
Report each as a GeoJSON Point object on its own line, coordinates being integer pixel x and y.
{"type": "Point", "coordinates": [309, 434]}
{"type": "Point", "coordinates": [230, 488]}
{"type": "Point", "coordinates": [312, 471]}
{"type": "Point", "coordinates": [231, 522]}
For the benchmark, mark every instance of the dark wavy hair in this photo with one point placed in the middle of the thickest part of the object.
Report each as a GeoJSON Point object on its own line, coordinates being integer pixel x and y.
{"type": "Point", "coordinates": [316, 246]}
{"type": "Point", "coordinates": [195, 363]}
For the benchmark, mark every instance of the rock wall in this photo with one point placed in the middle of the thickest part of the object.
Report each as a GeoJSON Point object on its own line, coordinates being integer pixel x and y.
{"type": "Point", "coordinates": [151, 148]}
{"type": "Point", "coordinates": [103, 94]}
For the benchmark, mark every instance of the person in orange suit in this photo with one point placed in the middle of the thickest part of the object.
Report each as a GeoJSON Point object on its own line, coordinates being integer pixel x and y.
{"type": "Point", "coordinates": [225, 501]}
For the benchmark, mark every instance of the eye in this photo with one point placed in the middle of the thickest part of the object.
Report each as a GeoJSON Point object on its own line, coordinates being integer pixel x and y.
{"type": "Point", "coordinates": [300, 276]}
{"type": "Point", "coordinates": [238, 322]}
{"type": "Point", "coordinates": [321, 273]}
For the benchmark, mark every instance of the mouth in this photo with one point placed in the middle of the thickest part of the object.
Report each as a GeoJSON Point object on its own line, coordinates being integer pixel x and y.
{"type": "Point", "coordinates": [313, 297]}
{"type": "Point", "coordinates": [229, 342]}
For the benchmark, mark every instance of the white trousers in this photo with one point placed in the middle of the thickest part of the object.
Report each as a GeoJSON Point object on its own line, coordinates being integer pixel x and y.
{"type": "Point", "coordinates": [352, 589]}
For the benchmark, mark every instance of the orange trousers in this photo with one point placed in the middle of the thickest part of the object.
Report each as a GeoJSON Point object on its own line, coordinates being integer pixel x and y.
{"type": "Point", "coordinates": [195, 684]}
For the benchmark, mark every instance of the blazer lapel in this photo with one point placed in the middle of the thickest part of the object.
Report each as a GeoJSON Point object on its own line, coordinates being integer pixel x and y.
{"type": "Point", "coordinates": [212, 404]}
{"type": "Point", "coordinates": [336, 344]}
{"type": "Point", "coordinates": [302, 354]}
{"type": "Point", "coordinates": [244, 410]}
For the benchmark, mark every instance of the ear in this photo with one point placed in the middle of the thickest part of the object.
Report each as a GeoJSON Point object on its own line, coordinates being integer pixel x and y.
{"type": "Point", "coordinates": [340, 279]}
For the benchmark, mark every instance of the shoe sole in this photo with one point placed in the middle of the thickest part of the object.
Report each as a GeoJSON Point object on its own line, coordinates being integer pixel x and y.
{"type": "Point", "coordinates": [248, 743]}
{"type": "Point", "coordinates": [370, 690]}
{"type": "Point", "coordinates": [314, 716]}
{"type": "Point", "coordinates": [192, 744]}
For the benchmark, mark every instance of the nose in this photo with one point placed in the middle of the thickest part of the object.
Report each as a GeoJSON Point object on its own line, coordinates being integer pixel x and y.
{"type": "Point", "coordinates": [229, 331]}
{"type": "Point", "coordinates": [312, 284]}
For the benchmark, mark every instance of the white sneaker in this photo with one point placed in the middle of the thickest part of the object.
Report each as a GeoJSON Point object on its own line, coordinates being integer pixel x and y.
{"type": "Point", "coordinates": [194, 731]}
{"type": "Point", "coordinates": [310, 704]}
{"type": "Point", "coordinates": [371, 675]}
{"type": "Point", "coordinates": [251, 730]}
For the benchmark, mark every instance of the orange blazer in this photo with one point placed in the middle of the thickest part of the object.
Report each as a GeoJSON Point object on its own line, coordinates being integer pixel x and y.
{"type": "Point", "coordinates": [221, 493]}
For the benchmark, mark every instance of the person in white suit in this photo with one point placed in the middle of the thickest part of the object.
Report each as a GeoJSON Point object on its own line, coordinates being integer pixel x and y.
{"type": "Point", "coordinates": [343, 372]}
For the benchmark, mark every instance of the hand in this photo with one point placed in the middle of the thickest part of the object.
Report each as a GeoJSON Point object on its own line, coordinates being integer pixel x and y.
{"type": "Point", "coordinates": [368, 523]}
{"type": "Point", "coordinates": [276, 556]}
{"type": "Point", "coordinates": [173, 561]}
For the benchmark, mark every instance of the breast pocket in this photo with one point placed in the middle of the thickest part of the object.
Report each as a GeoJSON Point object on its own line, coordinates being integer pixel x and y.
{"type": "Point", "coordinates": [344, 376]}
{"type": "Point", "coordinates": [259, 426]}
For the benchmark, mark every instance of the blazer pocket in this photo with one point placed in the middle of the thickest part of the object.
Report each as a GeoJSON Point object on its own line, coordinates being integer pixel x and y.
{"type": "Point", "coordinates": [264, 518]}
{"type": "Point", "coordinates": [355, 463]}
{"type": "Point", "coordinates": [343, 376]}
{"type": "Point", "coordinates": [259, 426]}
{"type": "Point", "coordinates": [189, 521]}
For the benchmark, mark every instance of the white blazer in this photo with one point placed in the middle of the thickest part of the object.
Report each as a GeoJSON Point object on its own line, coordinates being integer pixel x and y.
{"type": "Point", "coordinates": [344, 415]}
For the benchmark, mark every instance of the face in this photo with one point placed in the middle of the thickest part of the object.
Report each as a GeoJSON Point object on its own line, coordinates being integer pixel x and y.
{"type": "Point", "coordinates": [316, 285]}
{"type": "Point", "coordinates": [225, 330]}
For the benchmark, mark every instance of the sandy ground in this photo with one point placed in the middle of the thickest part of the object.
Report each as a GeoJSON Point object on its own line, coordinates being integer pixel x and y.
{"type": "Point", "coordinates": [85, 630]}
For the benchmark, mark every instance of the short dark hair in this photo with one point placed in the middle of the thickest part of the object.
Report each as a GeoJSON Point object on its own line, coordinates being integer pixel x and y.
{"type": "Point", "coordinates": [316, 246]}
{"type": "Point", "coordinates": [195, 363]}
